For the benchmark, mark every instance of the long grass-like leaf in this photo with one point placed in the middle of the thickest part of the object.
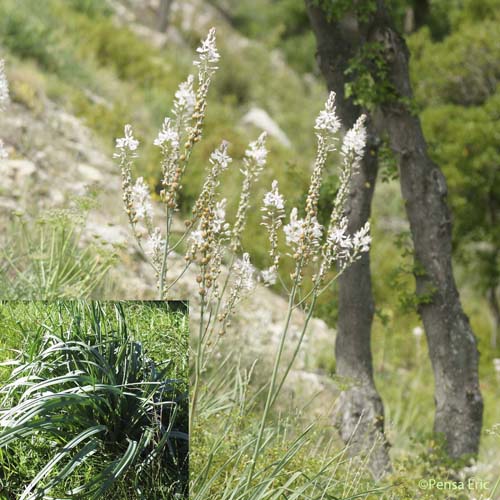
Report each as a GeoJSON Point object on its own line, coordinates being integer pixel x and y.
{"type": "Point", "coordinates": [60, 455]}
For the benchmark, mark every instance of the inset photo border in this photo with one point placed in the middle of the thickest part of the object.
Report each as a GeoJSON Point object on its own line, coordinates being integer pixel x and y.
{"type": "Point", "coordinates": [94, 399]}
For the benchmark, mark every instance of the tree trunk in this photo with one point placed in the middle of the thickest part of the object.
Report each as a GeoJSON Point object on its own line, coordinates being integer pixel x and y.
{"type": "Point", "coordinates": [360, 416]}
{"type": "Point", "coordinates": [164, 15]}
{"type": "Point", "coordinates": [495, 314]}
{"type": "Point", "coordinates": [422, 11]}
{"type": "Point", "coordinates": [452, 345]}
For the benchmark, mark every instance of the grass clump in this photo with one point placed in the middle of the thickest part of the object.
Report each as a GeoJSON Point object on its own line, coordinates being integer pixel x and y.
{"type": "Point", "coordinates": [44, 257]}
{"type": "Point", "coordinates": [86, 412]}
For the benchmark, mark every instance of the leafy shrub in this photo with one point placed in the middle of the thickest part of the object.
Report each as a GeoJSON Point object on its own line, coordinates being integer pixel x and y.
{"type": "Point", "coordinates": [28, 40]}
{"type": "Point", "coordinates": [87, 394]}
{"type": "Point", "coordinates": [91, 8]}
{"type": "Point", "coordinates": [462, 69]}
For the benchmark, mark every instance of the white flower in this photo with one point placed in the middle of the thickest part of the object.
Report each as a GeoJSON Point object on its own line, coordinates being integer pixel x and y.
{"type": "Point", "coordinates": [295, 230]}
{"type": "Point", "coordinates": [208, 53]}
{"type": "Point", "coordinates": [298, 230]}
{"type": "Point", "coordinates": [269, 276]}
{"type": "Point", "coordinates": [316, 231]}
{"type": "Point", "coordinates": [156, 244]}
{"type": "Point", "coordinates": [355, 139]}
{"type": "Point", "coordinates": [196, 238]}
{"type": "Point", "coordinates": [185, 98]}
{"type": "Point", "coordinates": [273, 198]}
{"type": "Point", "coordinates": [3, 151]}
{"type": "Point", "coordinates": [327, 119]}
{"type": "Point", "coordinates": [362, 239]}
{"type": "Point", "coordinates": [220, 156]}
{"type": "Point", "coordinates": [338, 235]}
{"type": "Point", "coordinates": [167, 134]}
{"type": "Point", "coordinates": [343, 247]}
{"type": "Point", "coordinates": [142, 199]}
{"type": "Point", "coordinates": [4, 85]}
{"type": "Point", "coordinates": [418, 331]}
{"type": "Point", "coordinates": [244, 272]}
{"type": "Point", "coordinates": [340, 244]}
{"type": "Point", "coordinates": [257, 151]}
{"type": "Point", "coordinates": [218, 223]}
{"type": "Point", "coordinates": [496, 364]}
{"type": "Point", "coordinates": [127, 142]}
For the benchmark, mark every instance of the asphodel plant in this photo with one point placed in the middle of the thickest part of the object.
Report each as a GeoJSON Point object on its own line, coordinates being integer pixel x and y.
{"type": "Point", "coordinates": [87, 393]}
{"type": "Point", "coordinates": [318, 253]}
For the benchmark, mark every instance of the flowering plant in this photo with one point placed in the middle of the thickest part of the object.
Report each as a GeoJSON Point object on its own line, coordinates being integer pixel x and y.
{"type": "Point", "coordinates": [210, 239]}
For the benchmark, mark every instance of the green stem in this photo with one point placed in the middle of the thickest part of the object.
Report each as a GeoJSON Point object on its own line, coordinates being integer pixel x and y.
{"type": "Point", "coordinates": [164, 264]}
{"type": "Point", "coordinates": [197, 363]}
{"type": "Point", "coordinates": [297, 348]}
{"type": "Point", "coordinates": [270, 394]}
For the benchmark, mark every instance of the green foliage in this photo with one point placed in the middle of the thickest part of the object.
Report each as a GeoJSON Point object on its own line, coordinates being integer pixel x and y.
{"type": "Point", "coordinates": [279, 24]}
{"type": "Point", "coordinates": [369, 85]}
{"type": "Point", "coordinates": [91, 8]}
{"type": "Point", "coordinates": [299, 460]}
{"type": "Point", "coordinates": [95, 405]}
{"type": "Point", "coordinates": [335, 9]}
{"type": "Point", "coordinates": [430, 462]}
{"type": "Point", "coordinates": [462, 69]}
{"type": "Point", "coordinates": [387, 162]}
{"type": "Point", "coordinates": [400, 275]}
{"type": "Point", "coordinates": [465, 142]}
{"type": "Point", "coordinates": [456, 82]}
{"type": "Point", "coordinates": [27, 37]}
{"type": "Point", "coordinates": [43, 257]}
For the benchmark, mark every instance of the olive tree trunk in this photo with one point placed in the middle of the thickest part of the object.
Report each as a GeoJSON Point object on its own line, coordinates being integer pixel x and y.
{"type": "Point", "coordinates": [360, 413]}
{"type": "Point", "coordinates": [452, 345]}
{"type": "Point", "coordinates": [164, 14]}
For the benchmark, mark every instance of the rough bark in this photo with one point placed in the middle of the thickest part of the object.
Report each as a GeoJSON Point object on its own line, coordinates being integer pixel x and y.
{"type": "Point", "coordinates": [360, 416]}
{"type": "Point", "coordinates": [164, 15]}
{"type": "Point", "coordinates": [495, 314]}
{"type": "Point", "coordinates": [452, 345]}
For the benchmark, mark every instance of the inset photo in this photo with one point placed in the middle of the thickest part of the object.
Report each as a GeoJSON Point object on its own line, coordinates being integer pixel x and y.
{"type": "Point", "coordinates": [94, 400]}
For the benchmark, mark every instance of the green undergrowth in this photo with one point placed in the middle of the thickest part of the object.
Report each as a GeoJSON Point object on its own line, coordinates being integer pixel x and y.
{"type": "Point", "coordinates": [93, 400]}
{"type": "Point", "coordinates": [45, 255]}
{"type": "Point", "coordinates": [302, 458]}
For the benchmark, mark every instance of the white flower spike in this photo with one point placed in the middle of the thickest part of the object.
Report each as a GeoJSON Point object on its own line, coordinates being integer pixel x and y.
{"type": "Point", "coordinates": [327, 120]}
{"type": "Point", "coordinates": [208, 53]}
{"type": "Point", "coordinates": [127, 143]}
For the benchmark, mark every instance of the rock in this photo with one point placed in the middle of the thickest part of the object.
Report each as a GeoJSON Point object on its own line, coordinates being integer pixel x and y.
{"type": "Point", "coordinates": [7, 204]}
{"type": "Point", "coordinates": [259, 118]}
{"type": "Point", "coordinates": [113, 234]}
{"type": "Point", "coordinates": [155, 38]}
{"type": "Point", "coordinates": [90, 173]}
{"type": "Point", "coordinates": [15, 175]}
